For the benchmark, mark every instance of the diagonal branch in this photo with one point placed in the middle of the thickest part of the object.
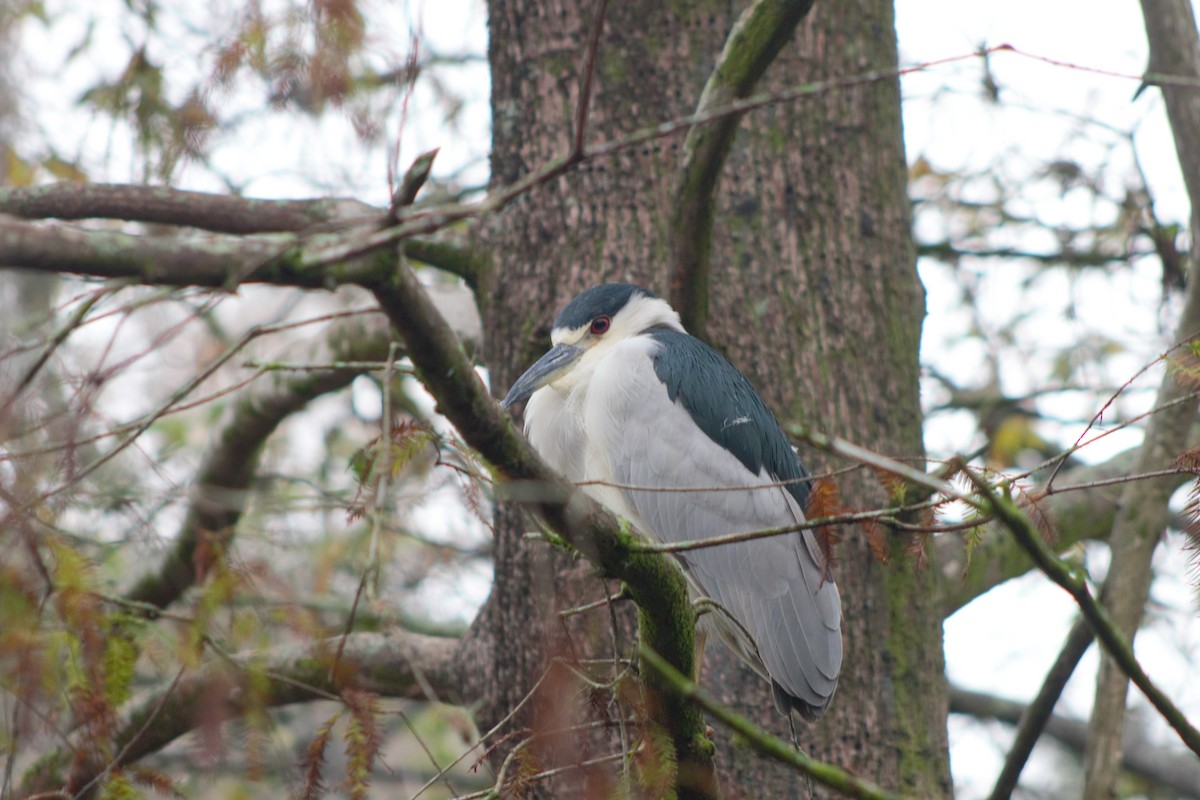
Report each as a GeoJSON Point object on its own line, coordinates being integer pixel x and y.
{"type": "Point", "coordinates": [758, 36]}
{"type": "Point", "coordinates": [1107, 631]}
{"type": "Point", "coordinates": [826, 774]}
{"type": "Point", "coordinates": [1036, 716]}
{"type": "Point", "coordinates": [221, 487]}
{"type": "Point", "coordinates": [395, 664]}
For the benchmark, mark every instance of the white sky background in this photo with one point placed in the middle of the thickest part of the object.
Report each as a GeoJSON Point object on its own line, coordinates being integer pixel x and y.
{"type": "Point", "coordinates": [1001, 644]}
{"type": "Point", "coordinates": [1004, 642]}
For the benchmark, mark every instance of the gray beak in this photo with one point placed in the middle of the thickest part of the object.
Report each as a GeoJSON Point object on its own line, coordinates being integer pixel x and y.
{"type": "Point", "coordinates": [544, 370]}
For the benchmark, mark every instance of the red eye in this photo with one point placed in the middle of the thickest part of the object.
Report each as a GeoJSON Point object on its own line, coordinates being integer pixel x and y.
{"type": "Point", "coordinates": [600, 326]}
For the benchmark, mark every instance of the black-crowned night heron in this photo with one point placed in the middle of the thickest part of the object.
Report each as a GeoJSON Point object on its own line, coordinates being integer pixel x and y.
{"type": "Point", "coordinates": [629, 403]}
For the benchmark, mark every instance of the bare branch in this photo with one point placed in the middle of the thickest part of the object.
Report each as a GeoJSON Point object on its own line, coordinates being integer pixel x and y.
{"type": "Point", "coordinates": [227, 214]}
{"type": "Point", "coordinates": [949, 251]}
{"type": "Point", "coordinates": [1143, 515]}
{"type": "Point", "coordinates": [394, 664]}
{"type": "Point", "coordinates": [410, 185]}
{"type": "Point", "coordinates": [1179, 772]}
{"type": "Point", "coordinates": [163, 205]}
{"type": "Point", "coordinates": [1035, 718]}
{"type": "Point", "coordinates": [587, 75]}
{"type": "Point", "coordinates": [220, 488]}
{"type": "Point", "coordinates": [217, 261]}
{"type": "Point", "coordinates": [1115, 642]}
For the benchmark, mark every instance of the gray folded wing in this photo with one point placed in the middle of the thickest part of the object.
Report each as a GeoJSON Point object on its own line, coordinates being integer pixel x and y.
{"type": "Point", "coordinates": [776, 588]}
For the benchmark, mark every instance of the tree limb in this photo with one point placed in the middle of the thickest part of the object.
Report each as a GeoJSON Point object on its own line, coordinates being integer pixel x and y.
{"type": "Point", "coordinates": [221, 486]}
{"type": "Point", "coordinates": [758, 36]}
{"type": "Point", "coordinates": [395, 664]}
{"type": "Point", "coordinates": [215, 260]}
{"type": "Point", "coordinates": [219, 213]}
{"type": "Point", "coordinates": [949, 252]}
{"type": "Point", "coordinates": [1178, 772]}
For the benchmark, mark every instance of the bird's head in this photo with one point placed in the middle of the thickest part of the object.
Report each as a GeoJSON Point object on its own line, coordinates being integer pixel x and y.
{"type": "Point", "coordinates": [590, 325]}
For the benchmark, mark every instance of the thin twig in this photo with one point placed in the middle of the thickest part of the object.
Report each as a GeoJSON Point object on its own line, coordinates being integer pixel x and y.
{"type": "Point", "coordinates": [68, 327]}
{"type": "Point", "coordinates": [147, 419]}
{"type": "Point", "coordinates": [606, 601]}
{"type": "Point", "coordinates": [1062, 459]}
{"type": "Point", "coordinates": [119, 758]}
{"type": "Point", "coordinates": [587, 78]}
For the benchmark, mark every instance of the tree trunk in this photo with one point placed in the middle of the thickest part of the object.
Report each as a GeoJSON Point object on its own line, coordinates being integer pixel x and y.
{"type": "Point", "coordinates": [813, 294]}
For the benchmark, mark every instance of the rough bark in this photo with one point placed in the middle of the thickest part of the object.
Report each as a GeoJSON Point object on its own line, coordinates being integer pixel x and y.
{"type": "Point", "coordinates": [813, 294]}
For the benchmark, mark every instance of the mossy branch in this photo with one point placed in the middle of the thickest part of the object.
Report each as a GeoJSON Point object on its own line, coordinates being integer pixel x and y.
{"type": "Point", "coordinates": [756, 39]}
{"type": "Point", "coordinates": [826, 774]}
{"type": "Point", "coordinates": [1086, 514]}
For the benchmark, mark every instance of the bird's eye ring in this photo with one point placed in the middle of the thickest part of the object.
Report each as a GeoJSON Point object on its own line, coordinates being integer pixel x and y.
{"type": "Point", "coordinates": [600, 326]}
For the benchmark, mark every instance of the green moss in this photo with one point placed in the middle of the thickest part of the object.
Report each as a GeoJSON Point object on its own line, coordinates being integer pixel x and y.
{"type": "Point", "coordinates": [47, 772]}
{"type": "Point", "coordinates": [905, 642]}
{"type": "Point", "coordinates": [118, 787]}
{"type": "Point", "coordinates": [615, 67]}
{"type": "Point", "coordinates": [120, 657]}
{"type": "Point", "coordinates": [698, 8]}
{"type": "Point", "coordinates": [776, 139]}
